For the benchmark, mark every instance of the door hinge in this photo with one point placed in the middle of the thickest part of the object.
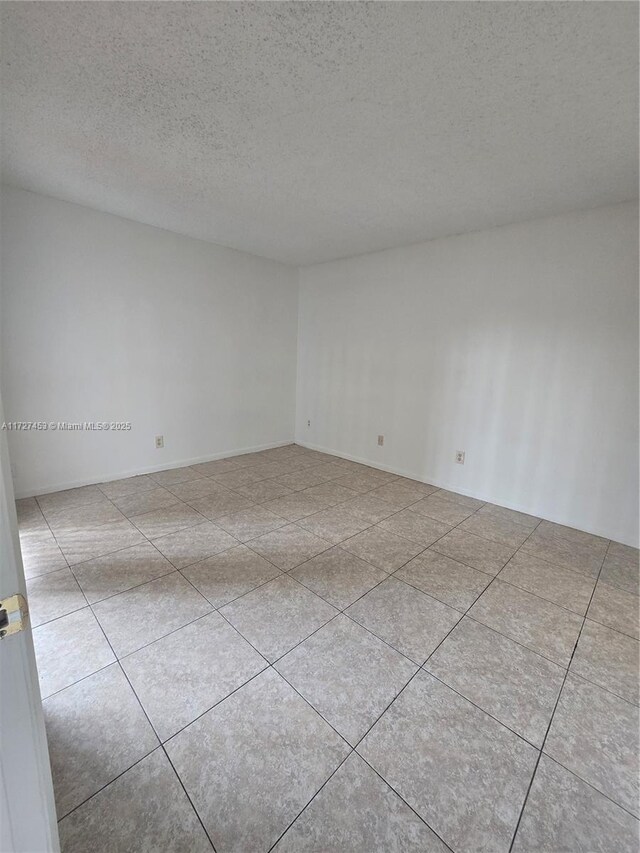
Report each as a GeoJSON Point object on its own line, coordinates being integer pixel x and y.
{"type": "Point", "coordinates": [14, 615]}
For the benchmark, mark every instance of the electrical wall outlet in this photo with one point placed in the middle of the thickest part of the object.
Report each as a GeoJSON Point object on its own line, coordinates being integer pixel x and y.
{"type": "Point", "coordinates": [460, 457]}
{"type": "Point", "coordinates": [380, 440]}
{"type": "Point", "coordinates": [308, 423]}
{"type": "Point", "coordinates": [159, 441]}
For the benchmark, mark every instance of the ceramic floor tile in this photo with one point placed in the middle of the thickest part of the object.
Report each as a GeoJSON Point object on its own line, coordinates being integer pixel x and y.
{"type": "Point", "coordinates": [245, 460]}
{"type": "Point", "coordinates": [583, 555]}
{"type": "Point", "coordinates": [382, 548]}
{"type": "Point", "coordinates": [70, 497]}
{"type": "Point", "coordinates": [331, 492]}
{"type": "Point", "coordinates": [162, 522]}
{"type": "Point", "coordinates": [563, 813]}
{"type": "Point", "coordinates": [81, 545]}
{"type": "Point", "coordinates": [445, 579]}
{"type": "Point", "coordinates": [368, 508]}
{"type": "Point", "coordinates": [194, 543]}
{"type": "Point", "coordinates": [299, 463]}
{"type": "Point", "coordinates": [219, 504]}
{"type": "Point", "coordinates": [276, 454]}
{"type": "Point", "coordinates": [397, 495]}
{"type": "Point", "coordinates": [338, 577]}
{"type": "Point", "coordinates": [538, 624]}
{"type": "Point", "coordinates": [497, 529]}
{"type": "Point", "coordinates": [609, 659]}
{"type": "Point", "coordinates": [357, 811]}
{"type": "Point", "coordinates": [182, 675]}
{"type": "Point", "coordinates": [358, 482]}
{"type": "Point", "coordinates": [373, 475]}
{"type": "Point", "coordinates": [122, 570]}
{"type": "Point", "coordinates": [290, 465]}
{"type": "Point", "coordinates": [417, 528]}
{"type": "Point", "coordinates": [561, 586]}
{"type": "Point", "coordinates": [615, 608]}
{"type": "Point", "coordinates": [40, 553]}
{"type": "Point", "coordinates": [30, 517]}
{"type": "Point", "coordinates": [299, 480]}
{"type": "Point", "coordinates": [153, 814]}
{"type": "Point", "coordinates": [442, 509]}
{"type": "Point", "coordinates": [621, 567]}
{"type": "Point", "coordinates": [127, 486]}
{"type": "Point", "coordinates": [265, 490]}
{"type": "Point", "coordinates": [266, 469]}
{"type": "Point", "coordinates": [501, 512]}
{"type": "Point", "coordinates": [346, 465]}
{"type": "Point", "coordinates": [96, 730]}
{"type": "Point", "coordinates": [363, 474]}
{"type": "Point", "coordinates": [250, 523]}
{"type": "Point", "coordinates": [148, 500]}
{"type": "Point", "coordinates": [253, 753]}
{"type": "Point", "coordinates": [334, 468]}
{"type": "Point", "coordinates": [174, 475]}
{"type": "Point", "coordinates": [139, 616]}
{"type": "Point", "coordinates": [326, 469]}
{"type": "Point", "coordinates": [253, 762]}
{"type": "Point", "coordinates": [463, 500]}
{"type": "Point", "coordinates": [229, 575]}
{"type": "Point", "coordinates": [68, 649]}
{"type": "Point", "coordinates": [296, 506]}
{"type": "Point", "coordinates": [278, 615]}
{"type": "Point", "coordinates": [516, 686]}
{"type": "Point", "coordinates": [474, 551]}
{"type": "Point", "coordinates": [347, 674]}
{"type": "Point", "coordinates": [464, 773]}
{"type": "Point", "coordinates": [411, 622]}
{"type": "Point", "coordinates": [424, 488]}
{"type": "Point", "coordinates": [552, 531]}
{"type": "Point", "coordinates": [238, 478]}
{"type": "Point", "coordinates": [216, 466]}
{"type": "Point", "coordinates": [53, 595]}
{"type": "Point", "coordinates": [289, 546]}
{"type": "Point", "coordinates": [595, 735]}
{"type": "Point", "coordinates": [79, 517]}
{"type": "Point", "coordinates": [333, 524]}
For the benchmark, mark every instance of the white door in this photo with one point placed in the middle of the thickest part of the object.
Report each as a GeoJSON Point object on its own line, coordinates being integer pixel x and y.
{"type": "Point", "coordinates": [27, 808]}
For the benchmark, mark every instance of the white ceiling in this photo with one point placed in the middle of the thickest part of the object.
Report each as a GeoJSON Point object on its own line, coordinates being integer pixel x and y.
{"type": "Point", "coordinates": [309, 131]}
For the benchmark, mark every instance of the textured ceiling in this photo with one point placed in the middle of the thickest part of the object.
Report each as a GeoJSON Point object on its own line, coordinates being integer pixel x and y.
{"type": "Point", "coordinates": [310, 131]}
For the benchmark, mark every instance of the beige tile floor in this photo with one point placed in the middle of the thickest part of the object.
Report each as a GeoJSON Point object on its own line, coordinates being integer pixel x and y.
{"type": "Point", "coordinates": [286, 650]}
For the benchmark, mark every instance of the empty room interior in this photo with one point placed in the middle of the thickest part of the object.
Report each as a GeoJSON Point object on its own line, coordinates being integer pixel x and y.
{"type": "Point", "coordinates": [319, 446]}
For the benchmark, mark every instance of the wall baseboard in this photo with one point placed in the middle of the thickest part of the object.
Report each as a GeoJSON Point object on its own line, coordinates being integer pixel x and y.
{"type": "Point", "coordinates": [614, 535]}
{"type": "Point", "coordinates": [107, 478]}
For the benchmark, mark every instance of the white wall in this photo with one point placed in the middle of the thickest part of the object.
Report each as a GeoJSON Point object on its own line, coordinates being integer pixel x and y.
{"type": "Point", "coordinates": [518, 345]}
{"type": "Point", "coordinates": [106, 319]}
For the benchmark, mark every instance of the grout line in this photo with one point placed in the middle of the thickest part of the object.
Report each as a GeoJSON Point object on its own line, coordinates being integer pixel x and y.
{"type": "Point", "coordinates": [593, 788]}
{"type": "Point", "coordinates": [373, 524]}
{"type": "Point", "coordinates": [609, 628]}
{"type": "Point", "coordinates": [420, 669]}
{"type": "Point", "coordinates": [294, 494]}
{"type": "Point", "coordinates": [189, 800]}
{"type": "Point", "coordinates": [553, 713]}
{"type": "Point", "coordinates": [78, 680]}
{"type": "Point", "coordinates": [406, 802]}
{"type": "Point", "coordinates": [500, 722]}
{"type": "Point", "coordinates": [517, 642]}
{"type": "Point", "coordinates": [218, 702]}
{"type": "Point", "coordinates": [106, 785]}
{"type": "Point", "coordinates": [161, 745]}
{"type": "Point", "coordinates": [331, 775]}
